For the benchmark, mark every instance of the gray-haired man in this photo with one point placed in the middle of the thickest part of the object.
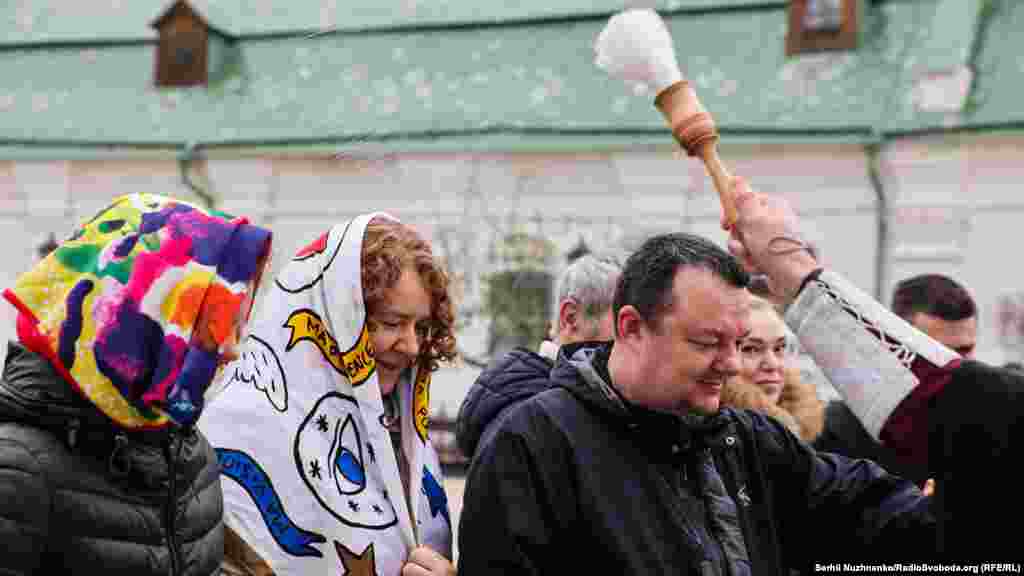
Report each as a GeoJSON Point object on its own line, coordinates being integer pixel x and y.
{"type": "Point", "coordinates": [584, 307]}
{"type": "Point", "coordinates": [584, 313]}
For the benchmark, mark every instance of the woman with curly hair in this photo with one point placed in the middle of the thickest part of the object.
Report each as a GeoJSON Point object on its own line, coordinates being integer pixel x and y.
{"type": "Point", "coordinates": [768, 381]}
{"type": "Point", "coordinates": [321, 425]}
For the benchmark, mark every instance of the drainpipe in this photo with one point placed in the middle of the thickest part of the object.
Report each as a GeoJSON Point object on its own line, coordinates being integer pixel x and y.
{"type": "Point", "coordinates": [189, 153]}
{"type": "Point", "coordinates": [882, 253]}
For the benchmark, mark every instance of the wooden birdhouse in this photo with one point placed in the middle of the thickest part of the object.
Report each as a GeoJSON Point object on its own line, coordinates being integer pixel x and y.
{"type": "Point", "coordinates": [823, 25]}
{"type": "Point", "coordinates": [190, 52]}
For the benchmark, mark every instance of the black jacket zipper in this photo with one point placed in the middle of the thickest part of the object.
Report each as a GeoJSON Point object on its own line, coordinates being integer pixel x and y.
{"type": "Point", "coordinates": [680, 488]}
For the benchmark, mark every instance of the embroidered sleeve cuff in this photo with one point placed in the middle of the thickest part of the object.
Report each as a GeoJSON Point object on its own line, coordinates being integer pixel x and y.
{"type": "Point", "coordinates": [812, 276]}
{"type": "Point", "coordinates": [865, 350]}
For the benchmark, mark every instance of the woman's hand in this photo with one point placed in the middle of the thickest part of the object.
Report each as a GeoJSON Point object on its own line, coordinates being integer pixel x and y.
{"type": "Point", "coordinates": [929, 487]}
{"type": "Point", "coordinates": [424, 561]}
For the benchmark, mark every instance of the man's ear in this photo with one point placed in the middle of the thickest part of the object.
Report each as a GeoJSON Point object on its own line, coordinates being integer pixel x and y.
{"type": "Point", "coordinates": [628, 323]}
{"type": "Point", "coordinates": [568, 317]}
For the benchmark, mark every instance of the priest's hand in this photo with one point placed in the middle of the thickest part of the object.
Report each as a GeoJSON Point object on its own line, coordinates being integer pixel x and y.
{"type": "Point", "coordinates": [767, 240]}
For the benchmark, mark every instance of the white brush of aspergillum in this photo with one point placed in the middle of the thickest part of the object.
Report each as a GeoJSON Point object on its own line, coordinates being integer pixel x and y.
{"type": "Point", "coordinates": [636, 47]}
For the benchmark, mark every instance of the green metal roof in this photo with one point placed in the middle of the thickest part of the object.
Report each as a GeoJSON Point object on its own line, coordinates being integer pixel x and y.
{"type": "Point", "coordinates": [996, 52]}
{"type": "Point", "coordinates": [502, 87]}
{"type": "Point", "coordinates": [42, 21]}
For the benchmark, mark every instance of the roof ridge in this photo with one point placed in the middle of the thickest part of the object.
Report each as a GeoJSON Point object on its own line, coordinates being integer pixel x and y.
{"type": "Point", "coordinates": [221, 21]}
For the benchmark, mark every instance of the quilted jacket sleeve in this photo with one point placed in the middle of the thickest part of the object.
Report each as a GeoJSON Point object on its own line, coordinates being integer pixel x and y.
{"type": "Point", "coordinates": [24, 507]}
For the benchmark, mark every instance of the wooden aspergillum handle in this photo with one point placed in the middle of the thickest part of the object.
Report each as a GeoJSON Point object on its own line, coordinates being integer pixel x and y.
{"type": "Point", "coordinates": [695, 131]}
{"type": "Point", "coordinates": [722, 179]}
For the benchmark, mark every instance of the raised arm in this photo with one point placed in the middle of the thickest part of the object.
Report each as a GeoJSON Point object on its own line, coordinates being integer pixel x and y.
{"type": "Point", "coordinates": [885, 369]}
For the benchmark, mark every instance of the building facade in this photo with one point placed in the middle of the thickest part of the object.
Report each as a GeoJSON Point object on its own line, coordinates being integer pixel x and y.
{"type": "Point", "coordinates": [480, 124]}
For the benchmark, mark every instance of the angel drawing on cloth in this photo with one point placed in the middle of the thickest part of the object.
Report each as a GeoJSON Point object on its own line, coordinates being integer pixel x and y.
{"type": "Point", "coordinates": [320, 426]}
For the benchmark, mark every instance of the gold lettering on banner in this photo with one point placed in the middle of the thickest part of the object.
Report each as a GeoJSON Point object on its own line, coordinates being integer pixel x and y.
{"type": "Point", "coordinates": [356, 363]}
{"type": "Point", "coordinates": [421, 402]}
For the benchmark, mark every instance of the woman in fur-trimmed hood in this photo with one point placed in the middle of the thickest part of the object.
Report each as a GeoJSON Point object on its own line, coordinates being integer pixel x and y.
{"type": "Point", "coordinates": [768, 382]}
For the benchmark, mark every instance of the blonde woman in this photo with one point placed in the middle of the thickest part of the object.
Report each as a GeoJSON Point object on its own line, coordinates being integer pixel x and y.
{"type": "Point", "coordinates": [769, 381]}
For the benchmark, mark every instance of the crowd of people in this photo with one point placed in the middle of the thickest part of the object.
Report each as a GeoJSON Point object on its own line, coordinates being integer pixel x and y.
{"type": "Point", "coordinates": [157, 417]}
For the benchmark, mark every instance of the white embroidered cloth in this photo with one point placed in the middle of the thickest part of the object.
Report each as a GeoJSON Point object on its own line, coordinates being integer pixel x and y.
{"type": "Point", "coordinates": [309, 475]}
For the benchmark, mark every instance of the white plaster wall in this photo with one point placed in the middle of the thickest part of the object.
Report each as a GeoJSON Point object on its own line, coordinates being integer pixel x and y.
{"type": "Point", "coordinates": [955, 203]}
{"type": "Point", "coordinates": [959, 210]}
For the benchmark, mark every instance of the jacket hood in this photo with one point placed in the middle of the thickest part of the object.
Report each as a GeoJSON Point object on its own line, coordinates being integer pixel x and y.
{"type": "Point", "coordinates": [583, 370]}
{"type": "Point", "coordinates": [511, 379]}
{"type": "Point", "coordinates": [32, 392]}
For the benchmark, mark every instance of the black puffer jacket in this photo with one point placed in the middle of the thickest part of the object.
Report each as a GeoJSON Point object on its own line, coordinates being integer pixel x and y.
{"type": "Point", "coordinates": [510, 379]}
{"type": "Point", "coordinates": [77, 496]}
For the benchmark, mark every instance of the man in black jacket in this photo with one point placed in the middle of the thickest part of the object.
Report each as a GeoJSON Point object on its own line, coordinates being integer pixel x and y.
{"type": "Point", "coordinates": [626, 465]}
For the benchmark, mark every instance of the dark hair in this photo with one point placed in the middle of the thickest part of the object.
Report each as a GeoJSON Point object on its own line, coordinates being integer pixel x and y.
{"type": "Point", "coordinates": [934, 295]}
{"type": "Point", "coordinates": [648, 274]}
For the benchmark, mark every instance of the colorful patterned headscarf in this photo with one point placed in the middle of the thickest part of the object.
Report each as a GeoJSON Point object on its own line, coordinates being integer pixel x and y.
{"type": "Point", "coordinates": [114, 307]}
